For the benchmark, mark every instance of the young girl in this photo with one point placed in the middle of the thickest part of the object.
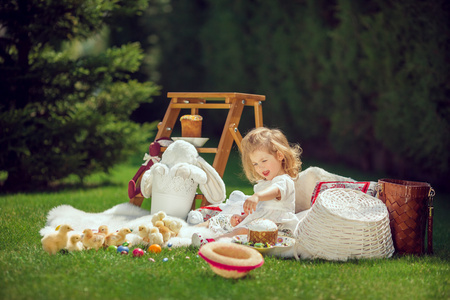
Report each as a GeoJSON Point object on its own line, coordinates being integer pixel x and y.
{"type": "Point", "coordinates": [271, 162]}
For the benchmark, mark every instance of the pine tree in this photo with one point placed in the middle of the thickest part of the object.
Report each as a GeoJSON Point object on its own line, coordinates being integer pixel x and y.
{"type": "Point", "coordinates": [63, 113]}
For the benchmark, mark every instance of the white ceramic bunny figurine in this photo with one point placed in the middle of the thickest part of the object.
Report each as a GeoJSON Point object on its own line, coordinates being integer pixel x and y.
{"type": "Point", "coordinates": [173, 181]}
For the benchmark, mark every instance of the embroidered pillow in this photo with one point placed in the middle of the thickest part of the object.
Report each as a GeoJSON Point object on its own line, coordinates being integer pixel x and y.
{"type": "Point", "coordinates": [209, 211]}
{"type": "Point", "coordinates": [368, 187]}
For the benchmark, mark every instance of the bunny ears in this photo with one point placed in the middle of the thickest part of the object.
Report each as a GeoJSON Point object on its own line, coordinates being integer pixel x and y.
{"type": "Point", "coordinates": [178, 155]}
{"type": "Point", "coordinates": [214, 188]}
{"type": "Point", "coordinates": [183, 152]}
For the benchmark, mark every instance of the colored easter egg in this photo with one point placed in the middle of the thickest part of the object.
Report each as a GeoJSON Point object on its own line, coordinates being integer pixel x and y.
{"type": "Point", "coordinates": [165, 259]}
{"type": "Point", "coordinates": [120, 249]}
{"type": "Point", "coordinates": [151, 259]}
{"type": "Point", "coordinates": [169, 245]}
{"type": "Point", "coordinates": [112, 248]}
{"type": "Point", "coordinates": [138, 252]}
{"type": "Point", "coordinates": [155, 248]}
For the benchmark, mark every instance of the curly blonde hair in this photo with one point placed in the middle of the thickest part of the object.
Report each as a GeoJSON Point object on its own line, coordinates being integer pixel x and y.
{"type": "Point", "coordinates": [272, 141]}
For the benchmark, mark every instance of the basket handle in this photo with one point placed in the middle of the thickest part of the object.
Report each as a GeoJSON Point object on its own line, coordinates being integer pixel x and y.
{"type": "Point", "coordinates": [430, 221]}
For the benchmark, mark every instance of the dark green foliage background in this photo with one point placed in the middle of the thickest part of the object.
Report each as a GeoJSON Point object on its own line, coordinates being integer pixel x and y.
{"type": "Point", "coordinates": [361, 82]}
{"type": "Point", "coordinates": [364, 83]}
{"type": "Point", "coordinates": [60, 113]}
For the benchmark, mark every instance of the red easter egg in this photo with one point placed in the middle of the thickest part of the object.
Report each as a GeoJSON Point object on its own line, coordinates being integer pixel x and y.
{"type": "Point", "coordinates": [138, 252]}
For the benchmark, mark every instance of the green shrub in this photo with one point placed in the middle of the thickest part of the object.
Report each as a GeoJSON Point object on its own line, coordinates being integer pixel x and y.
{"type": "Point", "coordinates": [66, 113]}
{"type": "Point", "coordinates": [364, 82]}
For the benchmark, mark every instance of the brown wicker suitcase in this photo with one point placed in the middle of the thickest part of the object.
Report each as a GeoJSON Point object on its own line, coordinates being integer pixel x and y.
{"type": "Point", "coordinates": [410, 206]}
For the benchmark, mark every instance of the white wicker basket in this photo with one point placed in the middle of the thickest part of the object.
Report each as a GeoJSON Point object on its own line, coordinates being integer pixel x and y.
{"type": "Point", "coordinates": [345, 224]}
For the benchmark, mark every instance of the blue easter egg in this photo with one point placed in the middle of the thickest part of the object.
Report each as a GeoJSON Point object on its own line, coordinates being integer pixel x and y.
{"type": "Point", "coordinates": [120, 249]}
{"type": "Point", "coordinates": [165, 259]}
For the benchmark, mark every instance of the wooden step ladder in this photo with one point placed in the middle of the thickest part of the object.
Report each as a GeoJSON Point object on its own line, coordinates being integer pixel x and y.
{"type": "Point", "coordinates": [234, 102]}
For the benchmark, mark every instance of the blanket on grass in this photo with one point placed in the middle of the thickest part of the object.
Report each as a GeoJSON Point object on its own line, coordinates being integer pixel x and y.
{"type": "Point", "coordinates": [131, 216]}
{"type": "Point", "coordinates": [117, 217]}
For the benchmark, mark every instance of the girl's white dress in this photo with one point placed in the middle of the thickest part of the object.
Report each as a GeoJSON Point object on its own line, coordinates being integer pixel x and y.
{"type": "Point", "coordinates": [282, 211]}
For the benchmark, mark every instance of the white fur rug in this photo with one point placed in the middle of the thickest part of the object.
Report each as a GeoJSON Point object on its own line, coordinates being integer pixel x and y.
{"type": "Point", "coordinates": [119, 216]}
{"type": "Point", "coordinates": [131, 216]}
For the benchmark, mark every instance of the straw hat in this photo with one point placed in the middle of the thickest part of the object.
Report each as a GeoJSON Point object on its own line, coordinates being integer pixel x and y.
{"type": "Point", "coordinates": [231, 260]}
{"type": "Point", "coordinates": [345, 224]}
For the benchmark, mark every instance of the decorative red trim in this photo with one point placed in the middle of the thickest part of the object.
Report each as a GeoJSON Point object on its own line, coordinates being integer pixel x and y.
{"type": "Point", "coordinates": [210, 208]}
{"type": "Point", "coordinates": [317, 190]}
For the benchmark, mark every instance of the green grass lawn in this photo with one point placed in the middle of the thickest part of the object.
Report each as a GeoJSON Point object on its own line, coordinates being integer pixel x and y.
{"type": "Point", "coordinates": [27, 272]}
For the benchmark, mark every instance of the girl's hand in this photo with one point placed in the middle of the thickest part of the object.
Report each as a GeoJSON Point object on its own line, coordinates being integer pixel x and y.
{"type": "Point", "coordinates": [250, 204]}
